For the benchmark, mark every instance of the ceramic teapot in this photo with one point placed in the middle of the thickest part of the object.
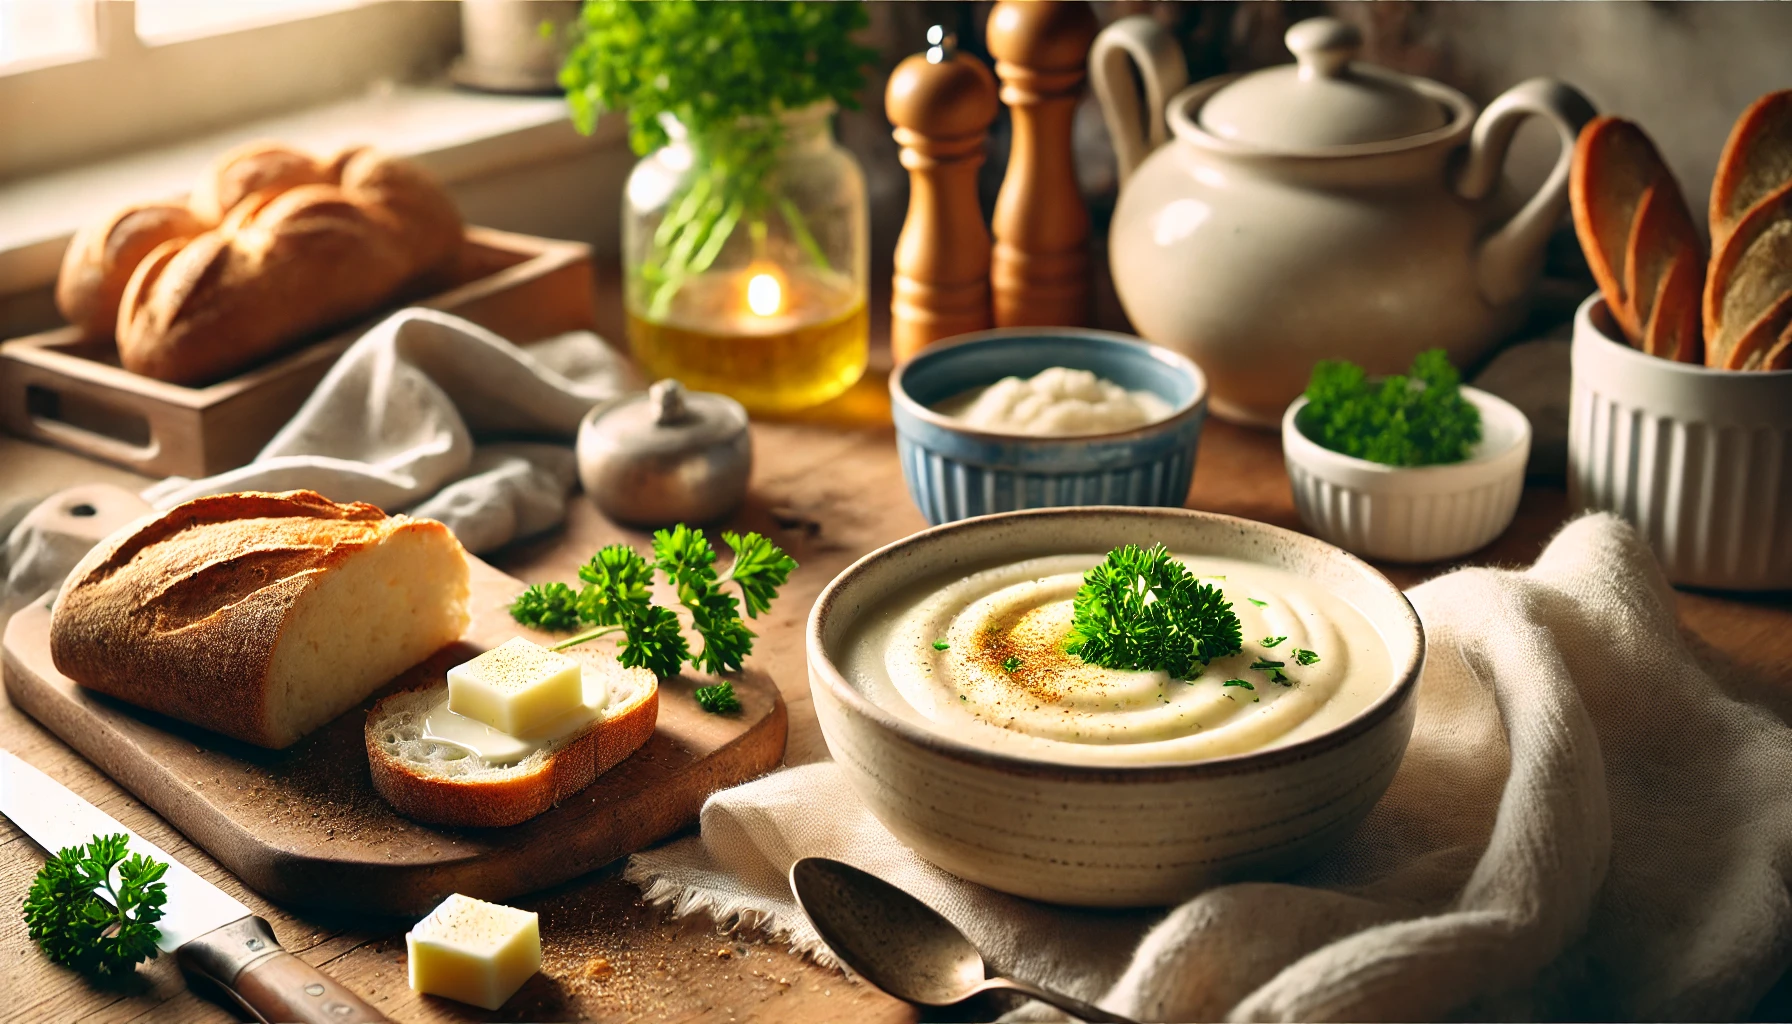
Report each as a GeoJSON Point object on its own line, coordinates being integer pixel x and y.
{"type": "Point", "coordinates": [1327, 209]}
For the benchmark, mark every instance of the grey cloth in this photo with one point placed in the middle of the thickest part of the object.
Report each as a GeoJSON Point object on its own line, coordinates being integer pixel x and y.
{"type": "Point", "coordinates": [1586, 826]}
{"type": "Point", "coordinates": [426, 413]}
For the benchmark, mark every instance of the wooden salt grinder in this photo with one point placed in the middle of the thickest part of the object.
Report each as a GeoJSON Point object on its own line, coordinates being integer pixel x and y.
{"type": "Point", "coordinates": [1039, 273]}
{"type": "Point", "coordinates": [941, 103]}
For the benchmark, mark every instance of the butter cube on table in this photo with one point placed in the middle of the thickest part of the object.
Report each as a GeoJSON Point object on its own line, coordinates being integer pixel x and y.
{"type": "Point", "coordinates": [475, 952]}
{"type": "Point", "coordinates": [518, 688]}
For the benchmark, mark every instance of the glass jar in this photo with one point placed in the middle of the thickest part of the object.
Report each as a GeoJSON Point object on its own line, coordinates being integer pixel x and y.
{"type": "Point", "coordinates": [746, 260]}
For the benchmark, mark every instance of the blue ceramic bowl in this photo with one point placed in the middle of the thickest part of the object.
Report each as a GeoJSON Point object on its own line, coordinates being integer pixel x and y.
{"type": "Point", "coordinates": [955, 472]}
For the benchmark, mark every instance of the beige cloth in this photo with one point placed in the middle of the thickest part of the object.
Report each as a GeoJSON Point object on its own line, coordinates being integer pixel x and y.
{"type": "Point", "coordinates": [1585, 826]}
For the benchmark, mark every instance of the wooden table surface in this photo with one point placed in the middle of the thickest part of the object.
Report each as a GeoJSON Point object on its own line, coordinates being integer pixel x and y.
{"type": "Point", "coordinates": [828, 488]}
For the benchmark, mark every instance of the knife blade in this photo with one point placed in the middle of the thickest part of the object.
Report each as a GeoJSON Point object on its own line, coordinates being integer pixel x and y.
{"type": "Point", "coordinates": [210, 933]}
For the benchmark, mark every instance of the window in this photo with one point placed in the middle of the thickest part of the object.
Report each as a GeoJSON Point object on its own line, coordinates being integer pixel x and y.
{"type": "Point", "coordinates": [82, 80]}
{"type": "Point", "coordinates": [43, 31]}
{"type": "Point", "coordinates": [164, 21]}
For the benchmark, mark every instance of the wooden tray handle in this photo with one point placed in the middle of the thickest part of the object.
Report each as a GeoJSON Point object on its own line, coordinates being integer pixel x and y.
{"type": "Point", "coordinates": [247, 962]}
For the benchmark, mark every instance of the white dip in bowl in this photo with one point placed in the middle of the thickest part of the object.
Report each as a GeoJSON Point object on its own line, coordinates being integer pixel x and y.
{"type": "Point", "coordinates": [1055, 402]}
{"type": "Point", "coordinates": [1004, 760]}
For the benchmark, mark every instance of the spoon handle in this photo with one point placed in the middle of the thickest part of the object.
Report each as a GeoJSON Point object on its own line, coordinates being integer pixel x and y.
{"type": "Point", "coordinates": [1075, 1007]}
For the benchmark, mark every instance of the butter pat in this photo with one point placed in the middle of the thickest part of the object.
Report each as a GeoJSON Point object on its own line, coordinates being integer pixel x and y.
{"type": "Point", "coordinates": [474, 952]}
{"type": "Point", "coordinates": [520, 688]}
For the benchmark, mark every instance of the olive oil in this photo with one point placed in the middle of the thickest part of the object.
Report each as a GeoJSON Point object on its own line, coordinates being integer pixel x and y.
{"type": "Point", "coordinates": [775, 340]}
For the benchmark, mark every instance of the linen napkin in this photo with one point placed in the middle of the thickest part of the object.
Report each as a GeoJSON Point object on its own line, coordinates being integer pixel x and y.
{"type": "Point", "coordinates": [426, 413]}
{"type": "Point", "coordinates": [1586, 825]}
{"type": "Point", "coordinates": [435, 415]}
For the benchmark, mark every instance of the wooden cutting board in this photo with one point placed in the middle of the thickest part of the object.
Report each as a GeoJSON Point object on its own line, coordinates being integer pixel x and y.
{"type": "Point", "coordinates": [304, 827]}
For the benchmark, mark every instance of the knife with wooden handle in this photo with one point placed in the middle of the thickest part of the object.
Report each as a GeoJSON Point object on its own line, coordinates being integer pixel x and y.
{"type": "Point", "coordinates": [209, 933]}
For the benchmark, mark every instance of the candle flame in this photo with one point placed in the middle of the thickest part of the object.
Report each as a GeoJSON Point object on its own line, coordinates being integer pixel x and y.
{"type": "Point", "coordinates": [764, 295]}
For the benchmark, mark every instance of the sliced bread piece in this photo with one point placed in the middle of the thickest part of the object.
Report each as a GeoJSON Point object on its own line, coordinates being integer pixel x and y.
{"type": "Point", "coordinates": [260, 616]}
{"type": "Point", "coordinates": [1756, 162]}
{"type": "Point", "coordinates": [1748, 276]}
{"type": "Point", "coordinates": [1614, 167]}
{"type": "Point", "coordinates": [442, 784]}
{"type": "Point", "coordinates": [1672, 328]}
{"type": "Point", "coordinates": [1664, 264]}
{"type": "Point", "coordinates": [1779, 357]}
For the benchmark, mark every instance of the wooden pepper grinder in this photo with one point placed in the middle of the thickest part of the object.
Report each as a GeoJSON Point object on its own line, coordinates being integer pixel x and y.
{"type": "Point", "coordinates": [941, 103]}
{"type": "Point", "coordinates": [1039, 272]}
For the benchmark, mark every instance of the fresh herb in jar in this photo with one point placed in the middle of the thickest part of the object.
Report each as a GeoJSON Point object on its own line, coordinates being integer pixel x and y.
{"type": "Point", "coordinates": [723, 71]}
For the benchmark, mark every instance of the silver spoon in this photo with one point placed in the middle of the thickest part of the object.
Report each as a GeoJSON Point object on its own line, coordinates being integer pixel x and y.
{"type": "Point", "coordinates": [902, 945]}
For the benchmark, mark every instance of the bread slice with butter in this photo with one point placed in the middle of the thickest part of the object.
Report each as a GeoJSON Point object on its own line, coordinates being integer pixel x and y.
{"type": "Point", "coordinates": [260, 616]}
{"type": "Point", "coordinates": [443, 783]}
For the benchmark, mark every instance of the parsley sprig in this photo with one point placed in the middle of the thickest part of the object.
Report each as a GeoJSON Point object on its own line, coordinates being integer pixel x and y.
{"type": "Point", "coordinates": [615, 598]}
{"type": "Point", "coordinates": [718, 699]}
{"type": "Point", "coordinates": [1420, 419]}
{"type": "Point", "coordinates": [78, 928]}
{"type": "Point", "coordinates": [1140, 609]}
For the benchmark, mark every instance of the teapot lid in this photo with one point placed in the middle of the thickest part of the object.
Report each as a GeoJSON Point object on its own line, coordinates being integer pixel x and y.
{"type": "Point", "coordinates": [1325, 99]}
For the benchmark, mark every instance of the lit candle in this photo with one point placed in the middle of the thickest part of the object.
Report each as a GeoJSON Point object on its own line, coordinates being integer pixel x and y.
{"type": "Point", "coordinates": [765, 296]}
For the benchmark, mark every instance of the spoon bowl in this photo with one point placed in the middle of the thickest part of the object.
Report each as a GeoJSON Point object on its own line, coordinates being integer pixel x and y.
{"type": "Point", "coordinates": [902, 945]}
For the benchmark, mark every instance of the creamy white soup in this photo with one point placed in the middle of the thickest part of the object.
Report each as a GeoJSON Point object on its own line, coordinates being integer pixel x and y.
{"type": "Point", "coordinates": [981, 658]}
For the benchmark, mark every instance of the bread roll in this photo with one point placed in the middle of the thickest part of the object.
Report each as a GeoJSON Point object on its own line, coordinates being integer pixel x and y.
{"type": "Point", "coordinates": [309, 259]}
{"type": "Point", "coordinates": [251, 168]}
{"type": "Point", "coordinates": [260, 616]}
{"type": "Point", "coordinates": [286, 263]}
{"type": "Point", "coordinates": [99, 261]}
{"type": "Point", "coordinates": [409, 201]}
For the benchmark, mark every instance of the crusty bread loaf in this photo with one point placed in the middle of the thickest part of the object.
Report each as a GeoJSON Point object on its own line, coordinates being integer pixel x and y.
{"type": "Point", "coordinates": [273, 247]}
{"type": "Point", "coordinates": [310, 258]}
{"type": "Point", "coordinates": [260, 616]}
{"type": "Point", "coordinates": [251, 168]}
{"type": "Point", "coordinates": [443, 785]}
{"type": "Point", "coordinates": [416, 211]}
{"type": "Point", "coordinates": [285, 263]}
{"type": "Point", "coordinates": [99, 261]}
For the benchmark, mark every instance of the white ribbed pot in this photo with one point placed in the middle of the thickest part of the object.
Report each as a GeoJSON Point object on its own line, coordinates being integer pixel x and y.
{"type": "Point", "coordinates": [1412, 513]}
{"type": "Point", "coordinates": [1700, 460]}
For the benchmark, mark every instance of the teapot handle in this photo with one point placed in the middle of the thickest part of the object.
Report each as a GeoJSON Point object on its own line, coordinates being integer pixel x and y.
{"type": "Point", "coordinates": [1508, 258]}
{"type": "Point", "coordinates": [1161, 67]}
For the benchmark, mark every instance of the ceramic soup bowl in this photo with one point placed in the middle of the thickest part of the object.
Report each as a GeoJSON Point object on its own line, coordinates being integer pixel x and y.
{"type": "Point", "coordinates": [1109, 836]}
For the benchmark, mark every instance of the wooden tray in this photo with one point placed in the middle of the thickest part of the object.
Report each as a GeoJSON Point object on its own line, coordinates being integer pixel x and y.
{"type": "Point", "coordinates": [304, 826]}
{"type": "Point", "coordinates": [67, 390]}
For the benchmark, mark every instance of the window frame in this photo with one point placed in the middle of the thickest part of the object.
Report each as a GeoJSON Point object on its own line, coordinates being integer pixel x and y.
{"type": "Point", "coordinates": [128, 94]}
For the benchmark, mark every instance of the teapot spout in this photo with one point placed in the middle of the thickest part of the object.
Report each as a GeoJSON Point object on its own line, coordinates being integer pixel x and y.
{"type": "Point", "coordinates": [1145, 43]}
{"type": "Point", "coordinates": [1508, 260]}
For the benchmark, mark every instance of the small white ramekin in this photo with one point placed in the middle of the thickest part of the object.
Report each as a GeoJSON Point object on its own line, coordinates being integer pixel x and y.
{"type": "Point", "coordinates": [1700, 460]}
{"type": "Point", "coordinates": [1412, 513]}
